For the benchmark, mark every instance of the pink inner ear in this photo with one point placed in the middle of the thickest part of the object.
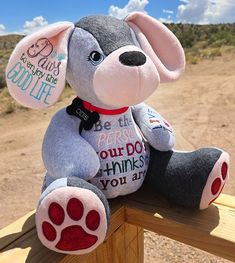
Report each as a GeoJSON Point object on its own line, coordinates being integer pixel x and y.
{"type": "Point", "coordinates": [36, 73]}
{"type": "Point", "coordinates": [160, 44]}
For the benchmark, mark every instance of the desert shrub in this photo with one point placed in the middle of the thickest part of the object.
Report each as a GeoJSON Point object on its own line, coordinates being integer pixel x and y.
{"type": "Point", "coordinates": [2, 81]}
{"type": "Point", "coordinates": [192, 59]}
{"type": "Point", "coordinates": [210, 53]}
{"type": "Point", "coordinates": [200, 45]}
{"type": "Point", "coordinates": [7, 103]}
{"type": "Point", "coordinates": [214, 35]}
{"type": "Point", "coordinates": [218, 43]}
{"type": "Point", "coordinates": [67, 92]}
{"type": "Point", "coordinates": [228, 49]}
{"type": "Point", "coordinates": [215, 52]}
{"type": "Point", "coordinates": [9, 107]}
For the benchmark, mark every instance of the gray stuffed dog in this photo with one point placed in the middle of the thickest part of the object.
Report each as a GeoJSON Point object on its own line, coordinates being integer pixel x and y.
{"type": "Point", "coordinates": [107, 143]}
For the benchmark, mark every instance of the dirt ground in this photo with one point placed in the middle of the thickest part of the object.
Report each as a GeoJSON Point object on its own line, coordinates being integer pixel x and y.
{"type": "Point", "coordinates": [201, 108]}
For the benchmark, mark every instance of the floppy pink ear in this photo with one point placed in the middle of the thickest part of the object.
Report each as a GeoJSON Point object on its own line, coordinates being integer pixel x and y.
{"type": "Point", "coordinates": [160, 44]}
{"type": "Point", "coordinates": [37, 67]}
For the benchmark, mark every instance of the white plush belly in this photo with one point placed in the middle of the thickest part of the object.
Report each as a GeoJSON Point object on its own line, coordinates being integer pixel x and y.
{"type": "Point", "coordinates": [122, 152]}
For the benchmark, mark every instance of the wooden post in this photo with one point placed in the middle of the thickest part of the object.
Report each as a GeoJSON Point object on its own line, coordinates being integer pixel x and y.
{"type": "Point", "coordinates": [125, 245]}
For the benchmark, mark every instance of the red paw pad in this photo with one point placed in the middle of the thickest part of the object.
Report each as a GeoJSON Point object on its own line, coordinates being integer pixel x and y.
{"type": "Point", "coordinates": [75, 209]}
{"type": "Point", "coordinates": [216, 181]}
{"type": "Point", "coordinates": [93, 220]}
{"type": "Point", "coordinates": [71, 224]}
{"type": "Point", "coordinates": [224, 170]}
{"type": "Point", "coordinates": [217, 195]}
{"type": "Point", "coordinates": [49, 231]}
{"type": "Point", "coordinates": [216, 186]}
{"type": "Point", "coordinates": [75, 238]}
{"type": "Point", "coordinates": [56, 213]}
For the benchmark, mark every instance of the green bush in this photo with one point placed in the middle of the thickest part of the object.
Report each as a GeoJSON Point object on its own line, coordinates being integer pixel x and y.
{"type": "Point", "coordinates": [214, 35]}
{"type": "Point", "coordinates": [210, 53]}
{"type": "Point", "coordinates": [2, 81]}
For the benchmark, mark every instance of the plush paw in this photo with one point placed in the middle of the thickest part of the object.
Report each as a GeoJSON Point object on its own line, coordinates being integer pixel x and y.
{"type": "Point", "coordinates": [71, 220]}
{"type": "Point", "coordinates": [216, 181]}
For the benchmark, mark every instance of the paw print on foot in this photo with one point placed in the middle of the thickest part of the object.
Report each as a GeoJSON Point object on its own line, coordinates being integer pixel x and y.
{"type": "Point", "coordinates": [72, 237]}
{"type": "Point", "coordinates": [74, 224]}
{"type": "Point", "coordinates": [216, 181]}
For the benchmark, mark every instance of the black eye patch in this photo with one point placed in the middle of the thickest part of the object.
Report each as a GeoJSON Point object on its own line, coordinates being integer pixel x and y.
{"type": "Point", "coordinates": [110, 32]}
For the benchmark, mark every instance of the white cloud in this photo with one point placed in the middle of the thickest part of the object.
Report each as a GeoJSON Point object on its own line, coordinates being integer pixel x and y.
{"type": "Point", "coordinates": [206, 11]}
{"type": "Point", "coordinates": [2, 29]}
{"type": "Point", "coordinates": [168, 11]}
{"type": "Point", "coordinates": [166, 20]}
{"type": "Point", "coordinates": [131, 6]}
{"type": "Point", "coordinates": [184, 1]}
{"type": "Point", "coordinates": [35, 24]}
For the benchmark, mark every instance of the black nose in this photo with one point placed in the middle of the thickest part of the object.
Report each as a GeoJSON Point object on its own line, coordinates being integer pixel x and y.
{"type": "Point", "coordinates": [132, 58]}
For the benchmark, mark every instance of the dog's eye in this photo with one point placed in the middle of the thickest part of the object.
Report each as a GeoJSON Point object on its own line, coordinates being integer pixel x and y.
{"type": "Point", "coordinates": [95, 57]}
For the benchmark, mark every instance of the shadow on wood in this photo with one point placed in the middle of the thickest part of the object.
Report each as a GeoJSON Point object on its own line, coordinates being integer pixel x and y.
{"type": "Point", "coordinates": [212, 230]}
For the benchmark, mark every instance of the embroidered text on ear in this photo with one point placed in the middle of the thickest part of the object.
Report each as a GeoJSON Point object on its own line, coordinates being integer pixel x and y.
{"type": "Point", "coordinates": [30, 82]}
{"type": "Point", "coordinates": [34, 78]}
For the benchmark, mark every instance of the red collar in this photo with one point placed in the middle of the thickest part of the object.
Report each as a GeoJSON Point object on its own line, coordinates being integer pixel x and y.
{"type": "Point", "coordinates": [88, 106]}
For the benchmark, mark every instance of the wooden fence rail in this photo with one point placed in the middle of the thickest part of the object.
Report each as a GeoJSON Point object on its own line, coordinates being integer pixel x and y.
{"type": "Point", "coordinates": [212, 230]}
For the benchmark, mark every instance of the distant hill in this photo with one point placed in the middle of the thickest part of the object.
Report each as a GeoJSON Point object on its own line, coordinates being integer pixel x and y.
{"type": "Point", "coordinates": [199, 41]}
{"type": "Point", "coordinates": [204, 41]}
{"type": "Point", "coordinates": [211, 35]}
{"type": "Point", "coordinates": [7, 44]}
{"type": "Point", "coordinates": [9, 41]}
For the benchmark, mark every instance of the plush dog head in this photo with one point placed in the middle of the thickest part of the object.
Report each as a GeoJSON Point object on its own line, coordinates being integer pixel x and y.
{"type": "Point", "coordinates": [109, 62]}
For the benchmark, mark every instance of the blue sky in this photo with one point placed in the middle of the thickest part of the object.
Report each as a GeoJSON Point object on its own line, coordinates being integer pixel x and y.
{"type": "Point", "coordinates": [26, 16]}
